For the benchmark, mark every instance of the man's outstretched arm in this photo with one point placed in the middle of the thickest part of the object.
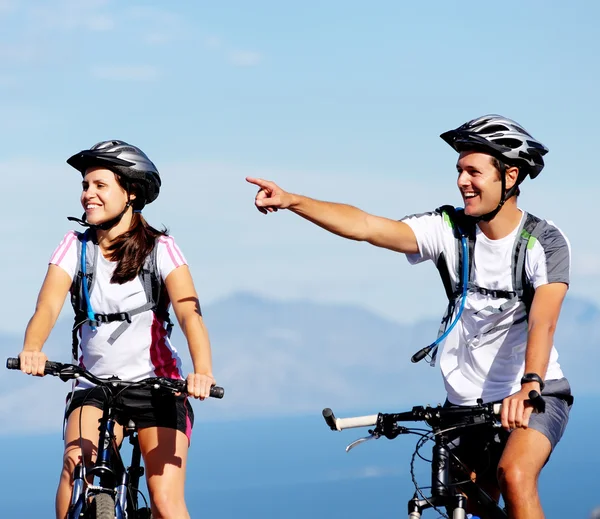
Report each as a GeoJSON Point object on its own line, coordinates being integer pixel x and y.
{"type": "Point", "coordinates": [341, 219]}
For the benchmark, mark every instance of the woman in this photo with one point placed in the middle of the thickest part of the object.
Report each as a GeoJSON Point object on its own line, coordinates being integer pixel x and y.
{"type": "Point", "coordinates": [120, 326]}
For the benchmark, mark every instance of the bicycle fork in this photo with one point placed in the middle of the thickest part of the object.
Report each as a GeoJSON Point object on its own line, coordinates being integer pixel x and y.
{"type": "Point", "coordinates": [78, 494]}
{"type": "Point", "coordinates": [441, 489]}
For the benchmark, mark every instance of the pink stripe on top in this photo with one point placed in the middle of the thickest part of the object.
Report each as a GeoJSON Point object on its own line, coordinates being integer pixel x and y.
{"type": "Point", "coordinates": [63, 247]}
{"type": "Point", "coordinates": [188, 424]}
{"type": "Point", "coordinates": [162, 358]}
{"type": "Point", "coordinates": [174, 252]}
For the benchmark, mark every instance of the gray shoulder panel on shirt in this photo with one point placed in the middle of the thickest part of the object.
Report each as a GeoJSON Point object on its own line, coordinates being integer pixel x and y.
{"type": "Point", "coordinates": [419, 215]}
{"type": "Point", "coordinates": [556, 251]}
{"type": "Point", "coordinates": [437, 212]}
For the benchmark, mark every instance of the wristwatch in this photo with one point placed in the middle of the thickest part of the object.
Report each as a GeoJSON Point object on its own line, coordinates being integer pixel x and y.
{"type": "Point", "coordinates": [533, 377]}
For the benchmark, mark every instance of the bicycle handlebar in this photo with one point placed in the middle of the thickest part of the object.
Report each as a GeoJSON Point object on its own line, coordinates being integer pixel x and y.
{"type": "Point", "coordinates": [71, 371]}
{"type": "Point", "coordinates": [339, 424]}
{"type": "Point", "coordinates": [434, 416]}
{"type": "Point", "coordinates": [485, 413]}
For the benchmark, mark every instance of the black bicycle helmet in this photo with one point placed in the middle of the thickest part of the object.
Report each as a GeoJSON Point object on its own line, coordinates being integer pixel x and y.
{"type": "Point", "coordinates": [504, 139]}
{"type": "Point", "coordinates": [128, 161]}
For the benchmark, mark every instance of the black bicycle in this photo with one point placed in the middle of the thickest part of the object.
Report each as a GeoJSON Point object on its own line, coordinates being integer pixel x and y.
{"type": "Point", "coordinates": [114, 489]}
{"type": "Point", "coordinates": [451, 482]}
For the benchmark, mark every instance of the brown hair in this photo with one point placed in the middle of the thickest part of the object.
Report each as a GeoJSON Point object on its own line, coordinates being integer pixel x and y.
{"type": "Point", "coordinates": [131, 248]}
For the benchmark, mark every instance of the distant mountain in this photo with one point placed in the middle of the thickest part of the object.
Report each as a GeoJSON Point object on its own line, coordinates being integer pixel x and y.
{"type": "Point", "coordinates": [278, 357]}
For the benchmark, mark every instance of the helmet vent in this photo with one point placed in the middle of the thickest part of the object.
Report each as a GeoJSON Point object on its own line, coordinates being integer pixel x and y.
{"type": "Point", "coordinates": [509, 143]}
{"type": "Point", "coordinates": [496, 128]}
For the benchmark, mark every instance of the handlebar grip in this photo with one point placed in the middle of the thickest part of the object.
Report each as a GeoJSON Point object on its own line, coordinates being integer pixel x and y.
{"type": "Point", "coordinates": [338, 424]}
{"type": "Point", "coordinates": [537, 401]}
{"type": "Point", "coordinates": [217, 392]}
{"type": "Point", "coordinates": [50, 368]}
{"type": "Point", "coordinates": [356, 421]}
{"type": "Point", "coordinates": [12, 363]}
{"type": "Point", "coordinates": [330, 418]}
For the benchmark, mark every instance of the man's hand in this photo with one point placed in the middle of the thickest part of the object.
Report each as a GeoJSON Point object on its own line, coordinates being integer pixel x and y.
{"type": "Point", "coordinates": [270, 196]}
{"type": "Point", "coordinates": [516, 409]}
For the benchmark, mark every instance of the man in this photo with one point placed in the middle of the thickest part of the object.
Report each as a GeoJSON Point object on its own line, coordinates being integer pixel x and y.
{"type": "Point", "coordinates": [497, 335]}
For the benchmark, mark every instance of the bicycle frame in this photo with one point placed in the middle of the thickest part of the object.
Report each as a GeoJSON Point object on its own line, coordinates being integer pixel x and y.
{"type": "Point", "coordinates": [118, 485]}
{"type": "Point", "coordinates": [442, 483]}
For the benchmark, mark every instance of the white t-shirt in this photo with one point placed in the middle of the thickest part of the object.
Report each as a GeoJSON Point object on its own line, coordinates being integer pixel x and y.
{"type": "Point", "coordinates": [484, 355]}
{"type": "Point", "coordinates": [143, 349]}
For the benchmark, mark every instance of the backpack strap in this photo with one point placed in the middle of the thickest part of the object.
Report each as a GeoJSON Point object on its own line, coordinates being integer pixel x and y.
{"type": "Point", "coordinates": [78, 300]}
{"type": "Point", "coordinates": [529, 234]}
{"type": "Point", "coordinates": [149, 277]}
{"type": "Point", "coordinates": [464, 226]}
{"type": "Point", "coordinates": [155, 288]}
{"type": "Point", "coordinates": [461, 226]}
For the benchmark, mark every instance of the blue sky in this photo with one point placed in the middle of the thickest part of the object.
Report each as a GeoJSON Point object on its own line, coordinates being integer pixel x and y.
{"type": "Point", "coordinates": [340, 100]}
{"type": "Point", "coordinates": [335, 99]}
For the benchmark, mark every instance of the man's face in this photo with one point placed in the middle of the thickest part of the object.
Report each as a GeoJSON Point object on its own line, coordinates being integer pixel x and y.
{"type": "Point", "coordinates": [479, 183]}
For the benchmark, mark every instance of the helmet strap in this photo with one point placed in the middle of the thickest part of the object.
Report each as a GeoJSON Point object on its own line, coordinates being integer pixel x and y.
{"type": "Point", "coordinates": [104, 226]}
{"type": "Point", "coordinates": [505, 196]}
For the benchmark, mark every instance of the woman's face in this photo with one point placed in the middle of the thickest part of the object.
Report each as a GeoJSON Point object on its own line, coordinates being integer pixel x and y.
{"type": "Point", "coordinates": [102, 197]}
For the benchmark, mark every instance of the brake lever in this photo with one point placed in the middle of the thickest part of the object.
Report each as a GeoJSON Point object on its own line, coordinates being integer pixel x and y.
{"type": "Point", "coordinates": [68, 372]}
{"type": "Point", "coordinates": [362, 440]}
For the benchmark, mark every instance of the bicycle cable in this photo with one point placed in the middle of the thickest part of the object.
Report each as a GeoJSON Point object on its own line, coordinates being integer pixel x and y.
{"type": "Point", "coordinates": [418, 489]}
{"type": "Point", "coordinates": [420, 443]}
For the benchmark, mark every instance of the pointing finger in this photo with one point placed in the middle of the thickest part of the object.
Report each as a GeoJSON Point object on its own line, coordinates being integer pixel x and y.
{"type": "Point", "coordinates": [260, 182]}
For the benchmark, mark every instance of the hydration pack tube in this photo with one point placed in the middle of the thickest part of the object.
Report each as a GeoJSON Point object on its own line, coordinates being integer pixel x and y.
{"type": "Point", "coordinates": [157, 300]}
{"type": "Point", "coordinates": [86, 293]}
{"type": "Point", "coordinates": [432, 348]}
{"type": "Point", "coordinates": [464, 229]}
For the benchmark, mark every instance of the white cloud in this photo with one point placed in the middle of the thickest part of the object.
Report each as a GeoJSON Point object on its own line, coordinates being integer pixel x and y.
{"type": "Point", "coordinates": [297, 259]}
{"type": "Point", "coordinates": [585, 264]}
{"type": "Point", "coordinates": [148, 14]}
{"type": "Point", "coordinates": [213, 42]}
{"type": "Point", "coordinates": [7, 6]}
{"type": "Point", "coordinates": [8, 80]}
{"type": "Point", "coordinates": [283, 334]}
{"type": "Point", "coordinates": [126, 73]}
{"type": "Point", "coordinates": [70, 15]}
{"type": "Point", "coordinates": [19, 53]}
{"type": "Point", "coordinates": [237, 57]}
{"type": "Point", "coordinates": [44, 404]}
{"type": "Point", "coordinates": [100, 22]}
{"type": "Point", "coordinates": [39, 37]}
{"type": "Point", "coordinates": [245, 58]}
{"type": "Point", "coordinates": [158, 26]}
{"type": "Point", "coordinates": [157, 38]}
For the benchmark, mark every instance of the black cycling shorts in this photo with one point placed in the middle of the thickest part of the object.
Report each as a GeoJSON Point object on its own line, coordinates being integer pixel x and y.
{"type": "Point", "coordinates": [146, 407]}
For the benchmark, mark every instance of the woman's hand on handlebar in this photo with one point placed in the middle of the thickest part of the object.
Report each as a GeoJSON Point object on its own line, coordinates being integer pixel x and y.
{"type": "Point", "coordinates": [33, 362]}
{"type": "Point", "coordinates": [198, 385]}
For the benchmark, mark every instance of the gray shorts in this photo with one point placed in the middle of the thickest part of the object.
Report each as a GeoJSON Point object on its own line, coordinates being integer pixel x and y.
{"type": "Point", "coordinates": [480, 448]}
{"type": "Point", "coordinates": [552, 423]}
